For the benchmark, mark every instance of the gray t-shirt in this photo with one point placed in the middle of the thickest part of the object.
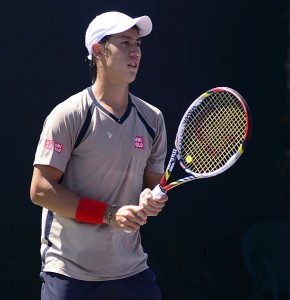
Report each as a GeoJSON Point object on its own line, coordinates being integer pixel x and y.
{"type": "Point", "coordinates": [107, 166]}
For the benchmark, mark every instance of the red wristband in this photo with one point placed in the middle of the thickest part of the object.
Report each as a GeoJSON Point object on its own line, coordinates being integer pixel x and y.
{"type": "Point", "coordinates": [90, 211]}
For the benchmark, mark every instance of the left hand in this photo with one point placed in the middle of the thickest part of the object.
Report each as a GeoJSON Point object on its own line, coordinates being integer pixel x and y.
{"type": "Point", "coordinates": [151, 205]}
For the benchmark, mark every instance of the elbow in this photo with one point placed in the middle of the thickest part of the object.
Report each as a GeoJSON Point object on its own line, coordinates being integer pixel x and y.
{"type": "Point", "coordinates": [35, 196]}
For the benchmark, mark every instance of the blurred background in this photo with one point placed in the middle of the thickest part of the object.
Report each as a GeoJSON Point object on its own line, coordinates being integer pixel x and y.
{"type": "Point", "coordinates": [196, 245]}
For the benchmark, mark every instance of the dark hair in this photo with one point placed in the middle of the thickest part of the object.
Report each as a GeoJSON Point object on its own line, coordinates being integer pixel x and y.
{"type": "Point", "coordinates": [93, 63]}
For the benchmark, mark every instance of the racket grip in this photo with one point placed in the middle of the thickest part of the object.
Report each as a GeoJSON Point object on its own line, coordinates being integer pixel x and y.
{"type": "Point", "coordinates": [158, 191]}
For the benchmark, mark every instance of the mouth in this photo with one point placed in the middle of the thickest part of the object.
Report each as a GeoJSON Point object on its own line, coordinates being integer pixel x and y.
{"type": "Point", "coordinates": [133, 65]}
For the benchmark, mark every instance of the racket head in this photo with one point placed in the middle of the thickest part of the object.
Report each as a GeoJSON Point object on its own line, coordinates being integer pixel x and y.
{"type": "Point", "coordinates": [213, 132]}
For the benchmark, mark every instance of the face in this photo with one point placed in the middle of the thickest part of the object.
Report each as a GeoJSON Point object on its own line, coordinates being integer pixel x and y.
{"type": "Point", "coordinates": [121, 56]}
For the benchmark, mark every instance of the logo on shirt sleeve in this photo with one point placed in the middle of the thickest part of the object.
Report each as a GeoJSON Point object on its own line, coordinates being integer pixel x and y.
{"type": "Point", "coordinates": [52, 145]}
{"type": "Point", "coordinates": [139, 142]}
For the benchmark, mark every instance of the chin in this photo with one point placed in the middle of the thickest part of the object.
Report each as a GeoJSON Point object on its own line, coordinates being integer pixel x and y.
{"type": "Point", "coordinates": [130, 80]}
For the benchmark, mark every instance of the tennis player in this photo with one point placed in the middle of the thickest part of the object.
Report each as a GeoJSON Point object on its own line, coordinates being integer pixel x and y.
{"type": "Point", "coordinates": [92, 194]}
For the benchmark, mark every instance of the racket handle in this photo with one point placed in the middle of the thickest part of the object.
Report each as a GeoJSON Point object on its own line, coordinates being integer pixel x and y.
{"type": "Point", "coordinates": [158, 191]}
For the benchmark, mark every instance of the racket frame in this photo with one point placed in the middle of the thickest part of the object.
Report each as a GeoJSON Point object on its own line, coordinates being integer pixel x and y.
{"type": "Point", "coordinates": [163, 187]}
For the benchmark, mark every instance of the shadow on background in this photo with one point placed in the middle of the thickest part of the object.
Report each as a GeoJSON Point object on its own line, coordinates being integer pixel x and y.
{"type": "Point", "coordinates": [266, 255]}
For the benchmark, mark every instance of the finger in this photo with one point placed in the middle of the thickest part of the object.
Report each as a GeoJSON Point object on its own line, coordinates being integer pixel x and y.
{"type": "Point", "coordinates": [156, 205]}
{"type": "Point", "coordinates": [142, 215]}
{"type": "Point", "coordinates": [129, 229]}
{"type": "Point", "coordinates": [135, 224]}
{"type": "Point", "coordinates": [151, 212]}
{"type": "Point", "coordinates": [137, 216]}
{"type": "Point", "coordinates": [161, 199]}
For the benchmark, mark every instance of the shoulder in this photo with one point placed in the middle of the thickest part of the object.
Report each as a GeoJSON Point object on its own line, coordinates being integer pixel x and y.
{"type": "Point", "coordinates": [69, 114]}
{"type": "Point", "coordinates": [74, 105]}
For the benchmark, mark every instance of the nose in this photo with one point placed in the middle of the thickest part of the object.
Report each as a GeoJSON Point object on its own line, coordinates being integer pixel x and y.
{"type": "Point", "coordinates": [136, 53]}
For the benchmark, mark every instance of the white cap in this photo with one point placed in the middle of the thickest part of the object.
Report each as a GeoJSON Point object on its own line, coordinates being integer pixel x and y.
{"type": "Point", "coordinates": [111, 23]}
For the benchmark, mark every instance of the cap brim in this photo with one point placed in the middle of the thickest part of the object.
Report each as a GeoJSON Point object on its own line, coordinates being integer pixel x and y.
{"type": "Point", "coordinates": [144, 23]}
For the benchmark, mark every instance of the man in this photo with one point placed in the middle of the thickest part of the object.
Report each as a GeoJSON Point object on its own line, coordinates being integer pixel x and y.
{"type": "Point", "coordinates": [94, 194]}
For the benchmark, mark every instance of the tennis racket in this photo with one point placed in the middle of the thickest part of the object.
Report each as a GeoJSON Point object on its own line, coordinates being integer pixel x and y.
{"type": "Point", "coordinates": [211, 137]}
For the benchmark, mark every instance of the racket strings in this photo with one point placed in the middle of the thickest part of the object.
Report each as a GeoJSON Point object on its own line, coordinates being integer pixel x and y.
{"type": "Point", "coordinates": [212, 132]}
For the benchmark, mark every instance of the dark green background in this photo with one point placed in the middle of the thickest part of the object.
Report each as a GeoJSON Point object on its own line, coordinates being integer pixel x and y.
{"type": "Point", "coordinates": [195, 244]}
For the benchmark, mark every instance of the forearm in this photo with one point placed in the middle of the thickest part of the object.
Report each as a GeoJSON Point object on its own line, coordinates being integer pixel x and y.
{"type": "Point", "coordinates": [54, 197]}
{"type": "Point", "coordinates": [150, 179]}
{"type": "Point", "coordinates": [45, 191]}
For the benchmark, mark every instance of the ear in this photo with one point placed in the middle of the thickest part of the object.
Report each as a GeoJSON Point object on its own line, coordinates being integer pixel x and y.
{"type": "Point", "coordinates": [96, 50]}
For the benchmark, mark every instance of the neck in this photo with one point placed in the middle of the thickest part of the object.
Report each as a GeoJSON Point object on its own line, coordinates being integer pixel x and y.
{"type": "Point", "coordinates": [110, 92]}
{"type": "Point", "coordinates": [113, 98]}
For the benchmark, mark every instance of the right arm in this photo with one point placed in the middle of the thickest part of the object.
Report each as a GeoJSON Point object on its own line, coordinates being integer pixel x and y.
{"type": "Point", "coordinates": [46, 191]}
